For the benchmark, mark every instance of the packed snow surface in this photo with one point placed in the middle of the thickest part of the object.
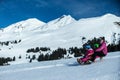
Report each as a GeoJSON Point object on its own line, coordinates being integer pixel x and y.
{"type": "Point", "coordinates": [65, 69]}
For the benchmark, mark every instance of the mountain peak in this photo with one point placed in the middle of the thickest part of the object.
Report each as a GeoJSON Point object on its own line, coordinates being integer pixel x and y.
{"type": "Point", "coordinates": [28, 24]}
{"type": "Point", "coordinates": [109, 15]}
{"type": "Point", "coordinates": [34, 20]}
{"type": "Point", "coordinates": [59, 22]}
{"type": "Point", "coordinates": [66, 17]}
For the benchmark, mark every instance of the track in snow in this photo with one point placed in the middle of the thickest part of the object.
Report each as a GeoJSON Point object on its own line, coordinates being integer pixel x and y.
{"type": "Point", "coordinates": [51, 66]}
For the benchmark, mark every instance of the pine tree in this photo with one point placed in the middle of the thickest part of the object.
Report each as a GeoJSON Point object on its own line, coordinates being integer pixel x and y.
{"type": "Point", "coordinates": [14, 58]}
{"type": "Point", "coordinates": [30, 61]}
{"type": "Point", "coordinates": [33, 57]}
{"type": "Point", "coordinates": [20, 57]}
{"type": "Point", "coordinates": [41, 57]}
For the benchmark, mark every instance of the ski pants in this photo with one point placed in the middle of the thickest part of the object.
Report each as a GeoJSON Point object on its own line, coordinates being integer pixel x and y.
{"type": "Point", "coordinates": [84, 59]}
{"type": "Point", "coordinates": [97, 54]}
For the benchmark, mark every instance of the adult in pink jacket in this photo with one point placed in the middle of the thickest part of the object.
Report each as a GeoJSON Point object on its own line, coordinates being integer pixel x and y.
{"type": "Point", "coordinates": [101, 51]}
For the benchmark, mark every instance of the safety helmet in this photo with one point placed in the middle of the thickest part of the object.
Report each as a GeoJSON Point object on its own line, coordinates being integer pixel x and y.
{"type": "Point", "coordinates": [87, 46]}
{"type": "Point", "coordinates": [96, 45]}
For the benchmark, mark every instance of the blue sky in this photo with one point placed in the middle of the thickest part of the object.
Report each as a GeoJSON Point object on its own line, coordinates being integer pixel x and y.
{"type": "Point", "coordinates": [12, 11]}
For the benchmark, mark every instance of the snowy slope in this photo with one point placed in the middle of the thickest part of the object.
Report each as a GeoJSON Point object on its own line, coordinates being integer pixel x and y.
{"type": "Point", "coordinates": [28, 25]}
{"type": "Point", "coordinates": [65, 69]}
{"type": "Point", "coordinates": [58, 23]}
{"type": "Point", "coordinates": [71, 34]}
{"type": "Point", "coordinates": [93, 27]}
{"type": "Point", "coordinates": [18, 29]}
{"type": "Point", "coordinates": [63, 32]}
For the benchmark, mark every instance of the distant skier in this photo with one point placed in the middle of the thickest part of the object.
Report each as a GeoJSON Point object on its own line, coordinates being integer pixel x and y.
{"type": "Point", "coordinates": [87, 56]}
{"type": "Point", "coordinates": [101, 51]}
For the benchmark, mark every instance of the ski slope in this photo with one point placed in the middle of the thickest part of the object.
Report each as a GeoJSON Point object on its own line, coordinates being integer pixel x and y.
{"type": "Point", "coordinates": [65, 69]}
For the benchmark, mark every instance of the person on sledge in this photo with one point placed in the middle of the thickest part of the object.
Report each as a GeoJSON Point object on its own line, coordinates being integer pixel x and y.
{"type": "Point", "coordinates": [87, 56]}
{"type": "Point", "coordinates": [101, 51]}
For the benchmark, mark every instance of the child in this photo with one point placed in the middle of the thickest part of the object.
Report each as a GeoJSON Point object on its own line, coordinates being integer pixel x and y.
{"type": "Point", "coordinates": [87, 56]}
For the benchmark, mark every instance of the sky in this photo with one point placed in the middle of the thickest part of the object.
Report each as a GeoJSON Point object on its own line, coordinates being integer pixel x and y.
{"type": "Point", "coordinates": [12, 11]}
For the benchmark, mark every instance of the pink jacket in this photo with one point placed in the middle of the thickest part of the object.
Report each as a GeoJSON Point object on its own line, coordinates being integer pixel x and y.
{"type": "Point", "coordinates": [89, 52]}
{"type": "Point", "coordinates": [102, 48]}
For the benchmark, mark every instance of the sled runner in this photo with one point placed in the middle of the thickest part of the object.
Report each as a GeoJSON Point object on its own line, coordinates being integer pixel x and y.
{"type": "Point", "coordinates": [83, 63]}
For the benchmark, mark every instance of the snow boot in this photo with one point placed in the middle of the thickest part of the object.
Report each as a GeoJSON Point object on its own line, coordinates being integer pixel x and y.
{"type": "Point", "coordinates": [80, 61]}
{"type": "Point", "coordinates": [88, 62]}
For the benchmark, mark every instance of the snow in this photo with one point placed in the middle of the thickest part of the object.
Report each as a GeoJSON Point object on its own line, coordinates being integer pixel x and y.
{"type": "Point", "coordinates": [58, 23]}
{"type": "Point", "coordinates": [64, 32]}
{"type": "Point", "coordinates": [26, 24]}
{"type": "Point", "coordinates": [65, 69]}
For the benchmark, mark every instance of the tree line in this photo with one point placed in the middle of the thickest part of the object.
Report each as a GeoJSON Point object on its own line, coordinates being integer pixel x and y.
{"type": "Point", "coordinates": [60, 52]}
{"type": "Point", "coordinates": [6, 43]}
{"type": "Point", "coordinates": [45, 53]}
{"type": "Point", "coordinates": [4, 61]}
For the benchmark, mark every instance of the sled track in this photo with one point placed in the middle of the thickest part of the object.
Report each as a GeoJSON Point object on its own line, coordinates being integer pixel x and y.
{"type": "Point", "coordinates": [47, 66]}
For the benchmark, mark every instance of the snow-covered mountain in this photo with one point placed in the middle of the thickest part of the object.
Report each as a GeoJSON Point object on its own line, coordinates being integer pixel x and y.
{"type": "Point", "coordinates": [19, 28]}
{"type": "Point", "coordinates": [63, 32]}
{"type": "Point", "coordinates": [58, 23]}
{"type": "Point", "coordinates": [25, 25]}
{"type": "Point", "coordinates": [35, 24]}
